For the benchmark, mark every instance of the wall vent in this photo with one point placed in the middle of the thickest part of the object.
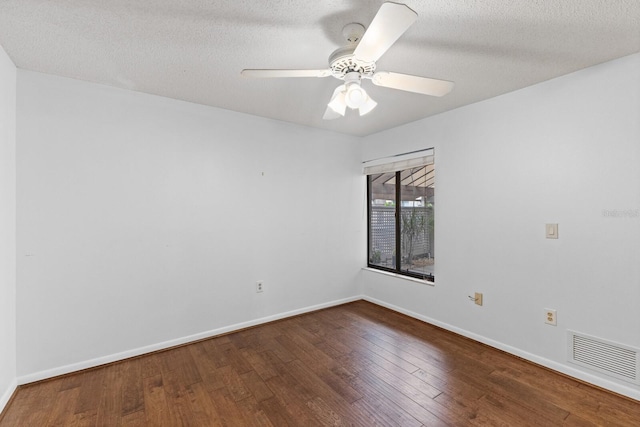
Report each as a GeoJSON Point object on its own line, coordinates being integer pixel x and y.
{"type": "Point", "coordinates": [610, 358]}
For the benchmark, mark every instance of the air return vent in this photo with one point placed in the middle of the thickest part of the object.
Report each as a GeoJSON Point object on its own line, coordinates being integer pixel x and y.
{"type": "Point", "coordinates": [613, 359]}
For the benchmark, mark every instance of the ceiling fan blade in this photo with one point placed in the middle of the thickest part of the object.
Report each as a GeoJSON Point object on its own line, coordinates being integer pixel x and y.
{"type": "Point", "coordinates": [286, 73]}
{"type": "Point", "coordinates": [409, 83]}
{"type": "Point", "coordinates": [391, 21]}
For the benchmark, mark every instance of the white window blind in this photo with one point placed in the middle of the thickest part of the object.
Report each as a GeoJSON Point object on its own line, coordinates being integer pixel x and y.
{"type": "Point", "coordinates": [398, 162]}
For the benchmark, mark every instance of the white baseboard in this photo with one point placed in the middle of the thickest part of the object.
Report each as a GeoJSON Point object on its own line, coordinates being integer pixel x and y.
{"type": "Point", "coordinates": [632, 392]}
{"type": "Point", "coordinates": [62, 370]}
{"type": "Point", "coordinates": [6, 396]}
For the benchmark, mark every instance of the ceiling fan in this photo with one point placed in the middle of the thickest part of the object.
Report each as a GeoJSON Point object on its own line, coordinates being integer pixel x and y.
{"type": "Point", "coordinates": [357, 61]}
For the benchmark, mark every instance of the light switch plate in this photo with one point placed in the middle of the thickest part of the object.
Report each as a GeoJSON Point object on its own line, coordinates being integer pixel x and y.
{"type": "Point", "coordinates": [551, 231]}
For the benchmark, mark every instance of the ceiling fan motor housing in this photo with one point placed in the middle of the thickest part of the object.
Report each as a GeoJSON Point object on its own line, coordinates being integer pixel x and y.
{"type": "Point", "coordinates": [342, 61]}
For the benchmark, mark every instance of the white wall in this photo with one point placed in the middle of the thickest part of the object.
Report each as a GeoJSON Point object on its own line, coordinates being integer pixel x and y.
{"type": "Point", "coordinates": [7, 228]}
{"type": "Point", "coordinates": [559, 152]}
{"type": "Point", "coordinates": [145, 221]}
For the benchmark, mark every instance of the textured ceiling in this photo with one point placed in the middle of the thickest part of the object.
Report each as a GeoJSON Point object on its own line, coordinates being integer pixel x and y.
{"type": "Point", "coordinates": [195, 50]}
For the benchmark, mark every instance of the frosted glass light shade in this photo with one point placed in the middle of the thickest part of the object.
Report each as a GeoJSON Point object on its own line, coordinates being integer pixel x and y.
{"type": "Point", "coordinates": [338, 103]}
{"type": "Point", "coordinates": [369, 105]}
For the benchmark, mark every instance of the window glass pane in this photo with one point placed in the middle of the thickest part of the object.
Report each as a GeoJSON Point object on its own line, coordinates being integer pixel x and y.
{"type": "Point", "coordinates": [401, 221]}
{"type": "Point", "coordinates": [416, 220]}
{"type": "Point", "coordinates": [382, 228]}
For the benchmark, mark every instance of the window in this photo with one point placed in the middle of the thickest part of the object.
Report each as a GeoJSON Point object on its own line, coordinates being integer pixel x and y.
{"type": "Point", "coordinates": [401, 217]}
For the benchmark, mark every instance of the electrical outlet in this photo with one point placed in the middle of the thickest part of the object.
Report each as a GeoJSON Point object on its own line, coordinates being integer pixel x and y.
{"type": "Point", "coordinates": [259, 286]}
{"type": "Point", "coordinates": [478, 298]}
{"type": "Point", "coordinates": [550, 317]}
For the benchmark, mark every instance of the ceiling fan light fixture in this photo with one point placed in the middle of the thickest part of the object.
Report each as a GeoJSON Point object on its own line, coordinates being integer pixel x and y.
{"type": "Point", "coordinates": [369, 105]}
{"type": "Point", "coordinates": [338, 103]}
{"type": "Point", "coordinates": [355, 95]}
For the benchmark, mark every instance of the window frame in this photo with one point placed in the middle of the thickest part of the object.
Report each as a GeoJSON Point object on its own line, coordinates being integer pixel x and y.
{"type": "Point", "coordinates": [398, 239]}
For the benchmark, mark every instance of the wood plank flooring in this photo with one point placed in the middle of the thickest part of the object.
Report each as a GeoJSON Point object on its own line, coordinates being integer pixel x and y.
{"type": "Point", "coordinates": [357, 364]}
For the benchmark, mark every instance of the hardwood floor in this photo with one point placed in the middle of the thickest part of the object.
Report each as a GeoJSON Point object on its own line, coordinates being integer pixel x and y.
{"type": "Point", "coordinates": [356, 364]}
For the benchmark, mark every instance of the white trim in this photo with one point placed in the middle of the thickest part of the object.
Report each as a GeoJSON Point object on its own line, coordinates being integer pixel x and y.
{"type": "Point", "coordinates": [632, 392]}
{"type": "Point", "coordinates": [62, 370]}
{"type": "Point", "coordinates": [4, 399]}
{"type": "Point", "coordinates": [399, 276]}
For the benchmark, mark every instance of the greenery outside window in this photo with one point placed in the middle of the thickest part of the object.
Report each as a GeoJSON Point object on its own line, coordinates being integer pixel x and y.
{"type": "Point", "coordinates": [401, 218]}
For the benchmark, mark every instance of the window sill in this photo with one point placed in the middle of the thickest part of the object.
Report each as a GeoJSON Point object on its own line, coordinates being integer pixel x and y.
{"type": "Point", "coordinates": [399, 276]}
